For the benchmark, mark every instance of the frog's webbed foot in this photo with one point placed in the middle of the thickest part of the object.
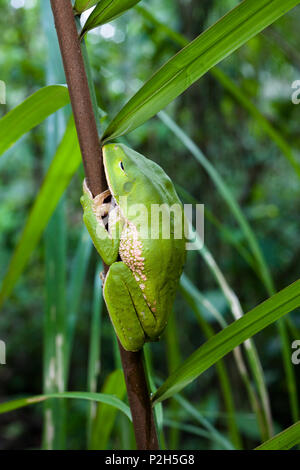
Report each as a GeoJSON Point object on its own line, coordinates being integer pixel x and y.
{"type": "Point", "coordinates": [102, 204]}
{"type": "Point", "coordinates": [132, 319]}
{"type": "Point", "coordinates": [102, 219]}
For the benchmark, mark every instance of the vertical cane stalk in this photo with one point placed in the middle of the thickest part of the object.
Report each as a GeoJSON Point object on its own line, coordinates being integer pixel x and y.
{"type": "Point", "coordinates": [86, 125]}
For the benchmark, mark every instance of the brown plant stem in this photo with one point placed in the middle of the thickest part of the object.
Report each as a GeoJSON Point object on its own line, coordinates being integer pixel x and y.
{"type": "Point", "coordinates": [137, 388]}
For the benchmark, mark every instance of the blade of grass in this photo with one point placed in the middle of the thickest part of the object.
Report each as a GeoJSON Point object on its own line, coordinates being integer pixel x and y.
{"type": "Point", "coordinates": [103, 423]}
{"type": "Point", "coordinates": [194, 298]}
{"type": "Point", "coordinates": [264, 124]}
{"type": "Point", "coordinates": [225, 231]}
{"type": "Point", "coordinates": [173, 361]}
{"type": "Point", "coordinates": [105, 11]}
{"type": "Point", "coordinates": [236, 92]}
{"type": "Point", "coordinates": [189, 428]}
{"type": "Point", "coordinates": [232, 31]}
{"type": "Point", "coordinates": [54, 431]}
{"type": "Point", "coordinates": [34, 110]}
{"type": "Point", "coordinates": [54, 332]}
{"type": "Point", "coordinates": [253, 359]}
{"type": "Point", "coordinates": [94, 363]}
{"type": "Point", "coordinates": [76, 285]}
{"type": "Point", "coordinates": [158, 409]}
{"type": "Point", "coordinates": [221, 372]}
{"type": "Point", "coordinates": [264, 274]}
{"type": "Point", "coordinates": [226, 194]}
{"type": "Point", "coordinates": [284, 440]}
{"type": "Point", "coordinates": [62, 169]}
{"type": "Point", "coordinates": [98, 397]}
{"type": "Point", "coordinates": [82, 5]}
{"type": "Point", "coordinates": [221, 344]}
{"type": "Point", "coordinates": [216, 436]}
{"type": "Point", "coordinates": [185, 287]}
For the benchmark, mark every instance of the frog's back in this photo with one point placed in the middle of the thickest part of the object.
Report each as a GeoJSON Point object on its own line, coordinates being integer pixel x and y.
{"type": "Point", "coordinates": [159, 252]}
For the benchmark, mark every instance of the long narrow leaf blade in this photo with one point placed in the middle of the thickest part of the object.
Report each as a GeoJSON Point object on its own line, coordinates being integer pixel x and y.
{"type": "Point", "coordinates": [221, 344]}
{"type": "Point", "coordinates": [99, 397]}
{"type": "Point", "coordinates": [82, 5]}
{"type": "Point", "coordinates": [105, 11]}
{"type": "Point", "coordinates": [76, 288]}
{"type": "Point", "coordinates": [114, 385]}
{"type": "Point", "coordinates": [284, 440]}
{"type": "Point", "coordinates": [237, 93]}
{"type": "Point", "coordinates": [94, 359]}
{"type": "Point", "coordinates": [55, 262]}
{"type": "Point", "coordinates": [192, 62]}
{"type": "Point", "coordinates": [30, 113]}
{"type": "Point", "coordinates": [226, 194]}
{"type": "Point", "coordinates": [263, 122]}
{"type": "Point", "coordinates": [62, 169]}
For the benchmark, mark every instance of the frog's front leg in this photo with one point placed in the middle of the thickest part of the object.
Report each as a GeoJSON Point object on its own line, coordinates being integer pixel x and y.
{"type": "Point", "coordinates": [132, 319]}
{"type": "Point", "coordinates": [105, 236]}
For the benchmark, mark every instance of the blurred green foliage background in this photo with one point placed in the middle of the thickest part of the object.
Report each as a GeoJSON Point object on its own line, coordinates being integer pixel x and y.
{"type": "Point", "coordinates": [123, 55]}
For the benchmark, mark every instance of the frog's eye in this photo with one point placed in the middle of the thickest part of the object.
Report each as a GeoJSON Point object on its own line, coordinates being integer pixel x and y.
{"type": "Point", "coordinates": [121, 166]}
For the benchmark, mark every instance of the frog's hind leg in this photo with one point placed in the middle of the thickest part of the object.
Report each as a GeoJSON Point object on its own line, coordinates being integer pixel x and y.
{"type": "Point", "coordinates": [127, 307]}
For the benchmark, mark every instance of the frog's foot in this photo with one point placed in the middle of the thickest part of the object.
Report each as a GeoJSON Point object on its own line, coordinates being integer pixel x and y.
{"type": "Point", "coordinates": [101, 203]}
{"type": "Point", "coordinates": [132, 319]}
{"type": "Point", "coordinates": [102, 277]}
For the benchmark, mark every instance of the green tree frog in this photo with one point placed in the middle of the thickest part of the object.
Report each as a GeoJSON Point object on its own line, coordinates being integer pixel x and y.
{"type": "Point", "coordinates": [145, 251]}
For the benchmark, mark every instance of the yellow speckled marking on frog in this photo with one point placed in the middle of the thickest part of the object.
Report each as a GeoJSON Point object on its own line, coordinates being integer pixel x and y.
{"type": "Point", "coordinates": [131, 250]}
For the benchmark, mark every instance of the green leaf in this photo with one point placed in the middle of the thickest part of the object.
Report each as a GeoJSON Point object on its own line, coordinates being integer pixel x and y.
{"type": "Point", "coordinates": [82, 5]}
{"type": "Point", "coordinates": [264, 124]}
{"type": "Point", "coordinates": [62, 169]}
{"type": "Point", "coordinates": [95, 340]}
{"type": "Point", "coordinates": [262, 410]}
{"type": "Point", "coordinates": [106, 415]}
{"type": "Point", "coordinates": [192, 62]}
{"type": "Point", "coordinates": [216, 436]}
{"type": "Point", "coordinates": [221, 344]}
{"type": "Point", "coordinates": [30, 113]}
{"type": "Point", "coordinates": [77, 282]}
{"type": "Point", "coordinates": [99, 397]}
{"type": "Point", "coordinates": [225, 192]}
{"type": "Point", "coordinates": [105, 11]}
{"type": "Point", "coordinates": [55, 261]}
{"type": "Point", "coordinates": [237, 93]}
{"type": "Point", "coordinates": [284, 440]}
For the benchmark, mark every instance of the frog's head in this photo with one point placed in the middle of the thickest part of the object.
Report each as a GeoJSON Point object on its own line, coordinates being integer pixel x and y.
{"type": "Point", "coordinates": [124, 169]}
{"type": "Point", "coordinates": [129, 174]}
